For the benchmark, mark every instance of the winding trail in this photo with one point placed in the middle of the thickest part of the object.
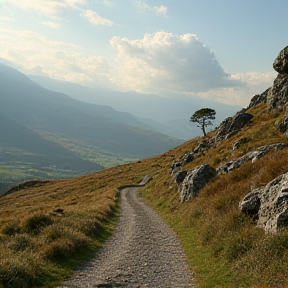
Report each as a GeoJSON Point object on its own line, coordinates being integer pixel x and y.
{"type": "Point", "coordinates": [143, 252]}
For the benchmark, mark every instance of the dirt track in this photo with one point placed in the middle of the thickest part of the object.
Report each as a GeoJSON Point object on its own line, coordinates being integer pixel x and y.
{"type": "Point", "coordinates": [144, 252]}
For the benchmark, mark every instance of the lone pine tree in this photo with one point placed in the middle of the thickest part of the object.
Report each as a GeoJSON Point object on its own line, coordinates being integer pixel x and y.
{"type": "Point", "coordinates": [204, 117]}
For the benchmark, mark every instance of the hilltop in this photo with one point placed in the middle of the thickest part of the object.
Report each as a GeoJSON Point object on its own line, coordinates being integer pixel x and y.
{"type": "Point", "coordinates": [227, 244]}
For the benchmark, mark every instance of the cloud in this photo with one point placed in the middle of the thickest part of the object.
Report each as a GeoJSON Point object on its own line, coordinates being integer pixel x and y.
{"type": "Point", "coordinates": [50, 24]}
{"type": "Point", "coordinates": [256, 83]}
{"type": "Point", "coordinates": [33, 53]}
{"type": "Point", "coordinates": [143, 7]}
{"type": "Point", "coordinates": [161, 10]}
{"type": "Point", "coordinates": [47, 7]}
{"type": "Point", "coordinates": [95, 19]}
{"type": "Point", "coordinates": [163, 61]}
{"type": "Point", "coordinates": [5, 19]}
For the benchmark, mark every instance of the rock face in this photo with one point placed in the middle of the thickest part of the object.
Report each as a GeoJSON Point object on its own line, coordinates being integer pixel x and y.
{"type": "Point", "coordinates": [251, 203]}
{"type": "Point", "coordinates": [270, 204]}
{"type": "Point", "coordinates": [277, 96]}
{"type": "Point", "coordinates": [257, 99]}
{"type": "Point", "coordinates": [195, 180]}
{"type": "Point", "coordinates": [273, 212]}
{"type": "Point", "coordinates": [281, 62]}
{"type": "Point", "coordinates": [232, 125]}
{"type": "Point", "coordinates": [251, 156]}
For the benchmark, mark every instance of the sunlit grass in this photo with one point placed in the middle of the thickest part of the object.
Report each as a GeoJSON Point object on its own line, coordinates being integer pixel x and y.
{"type": "Point", "coordinates": [74, 216]}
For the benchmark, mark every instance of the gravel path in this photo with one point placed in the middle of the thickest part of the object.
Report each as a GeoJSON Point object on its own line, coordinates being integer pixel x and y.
{"type": "Point", "coordinates": [144, 252]}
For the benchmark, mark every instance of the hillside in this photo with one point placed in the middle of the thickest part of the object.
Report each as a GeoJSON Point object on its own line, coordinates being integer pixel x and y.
{"type": "Point", "coordinates": [46, 134]}
{"type": "Point", "coordinates": [166, 115]}
{"type": "Point", "coordinates": [25, 154]}
{"type": "Point", "coordinates": [46, 111]}
{"type": "Point", "coordinates": [225, 246]}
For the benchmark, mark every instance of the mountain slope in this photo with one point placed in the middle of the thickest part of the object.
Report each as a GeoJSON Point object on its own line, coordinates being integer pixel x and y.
{"type": "Point", "coordinates": [172, 112]}
{"type": "Point", "coordinates": [225, 247]}
{"type": "Point", "coordinates": [46, 111]}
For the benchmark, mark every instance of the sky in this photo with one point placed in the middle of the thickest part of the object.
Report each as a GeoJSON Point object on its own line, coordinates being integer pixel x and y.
{"type": "Point", "coordinates": [221, 50]}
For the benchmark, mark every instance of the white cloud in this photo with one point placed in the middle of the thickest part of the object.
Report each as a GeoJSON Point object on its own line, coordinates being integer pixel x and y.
{"type": "Point", "coordinates": [143, 7]}
{"type": "Point", "coordinates": [35, 54]}
{"type": "Point", "coordinates": [165, 62]}
{"type": "Point", "coordinates": [95, 19]}
{"type": "Point", "coordinates": [47, 7]}
{"type": "Point", "coordinates": [52, 25]}
{"type": "Point", "coordinates": [108, 3]}
{"type": "Point", "coordinates": [256, 83]}
{"type": "Point", "coordinates": [161, 10]}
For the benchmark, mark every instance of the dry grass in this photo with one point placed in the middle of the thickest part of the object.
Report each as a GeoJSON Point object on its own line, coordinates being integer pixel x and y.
{"type": "Point", "coordinates": [43, 227]}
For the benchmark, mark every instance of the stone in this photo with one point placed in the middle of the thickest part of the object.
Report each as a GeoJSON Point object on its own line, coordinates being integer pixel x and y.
{"type": "Point", "coordinates": [281, 62]}
{"type": "Point", "coordinates": [283, 125]}
{"type": "Point", "coordinates": [241, 141]}
{"type": "Point", "coordinates": [195, 180]}
{"type": "Point", "coordinates": [232, 125]}
{"type": "Point", "coordinates": [251, 202]}
{"type": "Point", "coordinates": [251, 156]}
{"type": "Point", "coordinates": [180, 176]}
{"type": "Point", "coordinates": [273, 212]}
{"type": "Point", "coordinates": [278, 94]}
{"type": "Point", "coordinates": [175, 167]}
{"type": "Point", "coordinates": [257, 99]}
{"type": "Point", "coordinates": [269, 204]}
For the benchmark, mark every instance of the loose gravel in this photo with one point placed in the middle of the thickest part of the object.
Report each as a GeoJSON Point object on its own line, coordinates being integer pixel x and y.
{"type": "Point", "coordinates": [143, 252]}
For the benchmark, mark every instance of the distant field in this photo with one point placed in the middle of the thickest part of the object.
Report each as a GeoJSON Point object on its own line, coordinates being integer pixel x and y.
{"type": "Point", "coordinates": [18, 166]}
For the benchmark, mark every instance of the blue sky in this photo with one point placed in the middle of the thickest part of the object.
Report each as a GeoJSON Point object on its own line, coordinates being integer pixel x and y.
{"type": "Point", "coordinates": [221, 50]}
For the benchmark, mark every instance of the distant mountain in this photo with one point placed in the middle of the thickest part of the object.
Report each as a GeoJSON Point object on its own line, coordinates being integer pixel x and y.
{"type": "Point", "coordinates": [41, 152]}
{"type": "Point", "coordinates": [169, 115]}
{"type": "Point", "coordinates": [45, 111]}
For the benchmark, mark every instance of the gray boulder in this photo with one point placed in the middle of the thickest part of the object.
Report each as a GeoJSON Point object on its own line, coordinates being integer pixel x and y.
{"type": "Point", "coordinates": [251, 156]}
{"type": "Point", "coordinates": [232, 125]}
{"type": "Point", "coordinates": [278, 94]}
{"type": "Point", "coordinates": [257, 99]}
{"type": "Point", "coordinates": [273, 211]}
{"type": "Point", "coordinates": [179, 176]}
{"type": "Point", "coordinates": [195, 180]}
{"type": "Point", "coordinates": [251, 202]}
{"type": "Point", "coordinates": [269, 204]}
{"type": "Point", "coordinates": [281, 62]}
{"type": "Point", "coordinates": [241, 141]}
{"type": "Point", "coordinates": [283, 125]}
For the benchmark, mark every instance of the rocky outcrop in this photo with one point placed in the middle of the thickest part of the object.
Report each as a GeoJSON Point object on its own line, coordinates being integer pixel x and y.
{"type": "Point", "coordinates": [257, 99]}
{"type": "Point", "coordinates": [251, 156]}
{"type": "Point", "coordinates": [179, 176]}
{"type": "Point", "coordinates": [277, 96]}
{"type": "Point", "coordinates": [270, 204]}
{"type": "Point", "coordinates": [281, 62]}
{"type": "Point", "coordinates": [251, 203]}
{"type": "Point", "coordinates": [283, 125]}
{"type": "Point", "coordinates": [195, 180]}
{"type": "Point", "coordinates": [232, 125]}
{"type": "Point", "coordinates": [239, 142]}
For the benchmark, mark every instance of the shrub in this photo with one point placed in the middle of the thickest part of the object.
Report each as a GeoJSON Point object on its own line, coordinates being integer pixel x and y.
{"type": "Point", "coordinates": [11, 228]}
{"type": "Point", "coordinates": [35, 223]}
{"type": "Point", "coordinates": [62, 242]}
{"type": "Point", "coordinates": [19, 272]}
{"type": "Point", "coordinates": [237, 246]}
{"type": "Point", "coordinates": [21, 242]}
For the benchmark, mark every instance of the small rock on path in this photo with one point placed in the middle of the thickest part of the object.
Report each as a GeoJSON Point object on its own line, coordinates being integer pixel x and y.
{"type": "Point", "coordinates": [143, 252]}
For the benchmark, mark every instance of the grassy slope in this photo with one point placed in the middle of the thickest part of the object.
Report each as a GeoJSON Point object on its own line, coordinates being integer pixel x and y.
{"type": "Point", "coordinates": [223, 247]}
